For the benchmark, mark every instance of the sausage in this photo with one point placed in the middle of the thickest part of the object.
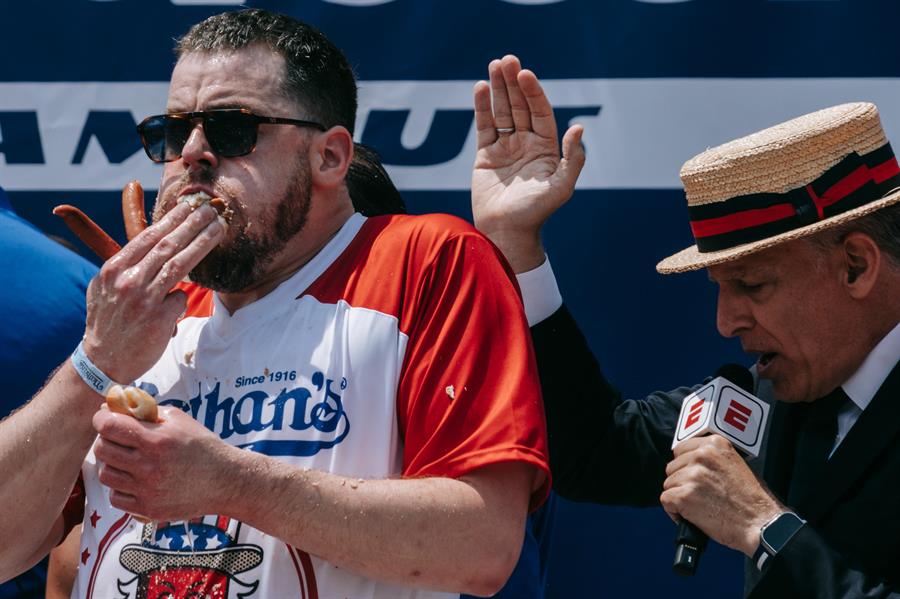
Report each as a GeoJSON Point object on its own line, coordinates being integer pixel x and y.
{"type": "Point", "coordinates": [133, 209]}
{"type": "Point", "coordinates": [88, 231]}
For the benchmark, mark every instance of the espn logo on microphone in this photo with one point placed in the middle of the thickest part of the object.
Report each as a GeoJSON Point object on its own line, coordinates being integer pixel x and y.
{"type": "Point", "coordinates": [723, 408]}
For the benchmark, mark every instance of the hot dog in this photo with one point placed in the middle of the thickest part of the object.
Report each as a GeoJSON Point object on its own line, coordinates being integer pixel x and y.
{"type": "Point", "coordinates": [134, 216]}
{"type": "Point", "coordinates": [132, 401]}
{"type": "Point", "coordinates": [88, 231]}
{"type": "Point", "coordinates": [133, 209]}
{"type": "Point", "coordinates": [195, 200]}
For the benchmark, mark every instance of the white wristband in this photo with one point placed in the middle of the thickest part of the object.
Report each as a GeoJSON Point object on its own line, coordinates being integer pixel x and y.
{"type": "Point", "coordinates": [89, 373]}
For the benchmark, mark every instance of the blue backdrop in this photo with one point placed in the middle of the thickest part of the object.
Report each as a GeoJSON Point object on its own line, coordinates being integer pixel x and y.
{"type": "Point", "coordinates": [653, 83]}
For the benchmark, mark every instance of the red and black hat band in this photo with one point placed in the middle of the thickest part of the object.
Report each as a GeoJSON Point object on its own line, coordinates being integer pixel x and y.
{"type": "Point", "coordinates": [853, 182]}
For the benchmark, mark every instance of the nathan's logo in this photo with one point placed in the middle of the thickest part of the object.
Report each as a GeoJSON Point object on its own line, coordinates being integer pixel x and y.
{"type": "Point", "coordinates": [317, 413]}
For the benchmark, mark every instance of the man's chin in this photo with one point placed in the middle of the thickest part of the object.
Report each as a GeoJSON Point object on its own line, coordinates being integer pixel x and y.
{"type": "Point", "coordinates": [783, 390]}
{"type": "Point", "coordinates": [230, 269]}
{"type": "Point", "coordinates": [205, 280]}
{"type": "Point", "coordinates": [215, 274]}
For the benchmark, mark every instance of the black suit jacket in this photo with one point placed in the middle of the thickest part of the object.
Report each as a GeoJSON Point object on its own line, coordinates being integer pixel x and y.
{"type": "Point", "coordinates": [608, 450]}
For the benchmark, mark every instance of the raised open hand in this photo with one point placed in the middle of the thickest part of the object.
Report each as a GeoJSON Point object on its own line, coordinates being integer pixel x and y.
{"type": "Point", "coordinates": [519, 178]}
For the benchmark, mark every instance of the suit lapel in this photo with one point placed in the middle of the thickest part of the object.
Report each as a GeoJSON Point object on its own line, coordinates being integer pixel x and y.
{"type": "Point", "coordinates": [876, 428]}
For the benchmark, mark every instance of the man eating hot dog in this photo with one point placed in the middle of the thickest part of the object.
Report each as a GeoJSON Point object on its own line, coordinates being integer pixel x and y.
{"type": "Point", "coordinates": [356, 412]}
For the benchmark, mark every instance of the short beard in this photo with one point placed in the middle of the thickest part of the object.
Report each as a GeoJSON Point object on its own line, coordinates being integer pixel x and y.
{"type": "Point", "coordinates": [242, 263]}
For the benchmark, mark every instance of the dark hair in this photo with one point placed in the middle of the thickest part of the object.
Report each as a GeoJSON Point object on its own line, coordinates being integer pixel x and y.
{"type": "Point", "coordinates": [371, 189]}
{"type": "Point", "coordinates": [883, 226]}
{"type": "Point", "coordinates": [317, 74]}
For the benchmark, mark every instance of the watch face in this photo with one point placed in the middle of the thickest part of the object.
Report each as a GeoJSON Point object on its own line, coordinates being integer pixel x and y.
{"type": "Point", "coordinates": [778, 532]}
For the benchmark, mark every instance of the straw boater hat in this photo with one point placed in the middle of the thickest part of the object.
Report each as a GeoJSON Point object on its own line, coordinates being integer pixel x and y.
{"type": "Point", "coordinates": [791, 180]}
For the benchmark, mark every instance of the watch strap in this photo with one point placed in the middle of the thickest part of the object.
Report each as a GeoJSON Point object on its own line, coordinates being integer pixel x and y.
{"type": "Point", "coordinates": [789, 523]}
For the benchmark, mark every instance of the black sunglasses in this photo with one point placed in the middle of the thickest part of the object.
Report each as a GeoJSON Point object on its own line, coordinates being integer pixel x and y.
{"type": "Point", "coordinates": [230, 132]}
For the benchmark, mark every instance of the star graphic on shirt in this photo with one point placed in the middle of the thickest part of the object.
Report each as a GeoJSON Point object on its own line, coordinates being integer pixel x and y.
{"type": "Point", "coordinates": [95, 517]}
{"type": "Point", "coordinates": [214, 543]}
{"type": "Point", "coordinates": [187, 541]}
{"type": "Point", "coordinates": [84, 556]}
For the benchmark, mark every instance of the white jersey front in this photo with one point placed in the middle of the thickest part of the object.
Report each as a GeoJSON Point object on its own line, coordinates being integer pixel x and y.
{"type": "Point", "coordinates": [314, 374]}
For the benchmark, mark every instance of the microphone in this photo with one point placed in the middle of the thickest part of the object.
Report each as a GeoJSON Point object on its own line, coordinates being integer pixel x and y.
{"type": "Point", "coordinates": [726, 406]}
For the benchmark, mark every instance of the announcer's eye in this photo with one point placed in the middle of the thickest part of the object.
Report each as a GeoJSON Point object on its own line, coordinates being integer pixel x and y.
{"type": "Point", "coordinates": [749, 286]}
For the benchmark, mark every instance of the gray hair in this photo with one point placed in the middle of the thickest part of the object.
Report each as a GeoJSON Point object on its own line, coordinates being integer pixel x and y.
{"type": "Point", "coordinates": [883, 226]}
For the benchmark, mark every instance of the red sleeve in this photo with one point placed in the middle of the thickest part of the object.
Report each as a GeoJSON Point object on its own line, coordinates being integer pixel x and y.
{"type": "Point", "coordinates": [73, 512]}
{"type": "Point", "coordinates": [199, 299]}
{"type": "Point", "coordinates": [469, 393]}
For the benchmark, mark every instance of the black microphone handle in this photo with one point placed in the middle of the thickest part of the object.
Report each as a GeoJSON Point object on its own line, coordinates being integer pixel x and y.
{"type": "Point", "coordinates": [690, 540]}
{"type": "Point", "coordinates": [689, 545]}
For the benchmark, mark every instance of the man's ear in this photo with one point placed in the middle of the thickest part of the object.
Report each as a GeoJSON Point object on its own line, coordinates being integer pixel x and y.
{"type": "Point", "coordinates": [861, 262]}
{"type": "Point", "coordinates": [330, 154]}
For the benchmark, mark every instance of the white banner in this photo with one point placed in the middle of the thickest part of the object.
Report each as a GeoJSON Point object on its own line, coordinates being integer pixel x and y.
{"type": "Point", "coordinates": [638, 132]}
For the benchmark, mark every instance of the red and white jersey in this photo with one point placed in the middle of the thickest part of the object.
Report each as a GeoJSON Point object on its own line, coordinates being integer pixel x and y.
{"type": "Point", "coordinates": [401, 349]}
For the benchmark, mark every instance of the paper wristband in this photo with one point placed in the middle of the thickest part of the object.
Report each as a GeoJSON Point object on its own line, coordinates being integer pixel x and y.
{"type": "Point", "coordinates": [89, 373]}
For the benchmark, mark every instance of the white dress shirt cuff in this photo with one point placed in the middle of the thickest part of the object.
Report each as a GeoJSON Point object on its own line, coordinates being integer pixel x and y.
{"type": "Point", "coordinates": [540, 293]}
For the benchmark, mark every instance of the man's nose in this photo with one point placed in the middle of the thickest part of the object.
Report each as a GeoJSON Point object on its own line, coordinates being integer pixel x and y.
{"type": "Point", "coordinates": [733, 315]}
{"type": "Point", "coordinates": [197, 151]}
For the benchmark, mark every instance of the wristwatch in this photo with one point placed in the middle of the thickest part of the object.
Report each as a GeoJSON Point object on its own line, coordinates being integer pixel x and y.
{"type": "Point", "coordinates": [774, 535]}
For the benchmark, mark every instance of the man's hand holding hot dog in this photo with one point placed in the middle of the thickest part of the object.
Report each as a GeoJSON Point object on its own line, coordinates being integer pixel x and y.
{"type": "Point", "coordinates": [146, 465]}
{"type": "Point", "coordinates": [132, 309]}
{"type": "Point", "coordinates": [131, 312]}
